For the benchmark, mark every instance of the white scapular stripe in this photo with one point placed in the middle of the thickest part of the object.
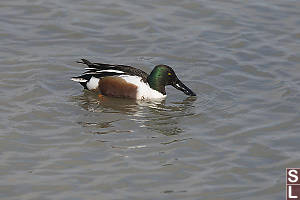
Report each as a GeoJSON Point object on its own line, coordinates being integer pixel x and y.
{"type": "Point", "coordinates": [110, 70]}
{"type": "Point", "coordinates": [90, 68]}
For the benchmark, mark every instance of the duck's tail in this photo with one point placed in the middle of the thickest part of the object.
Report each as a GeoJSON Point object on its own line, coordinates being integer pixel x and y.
{"type": "Point", "coordinates": [87, 80]}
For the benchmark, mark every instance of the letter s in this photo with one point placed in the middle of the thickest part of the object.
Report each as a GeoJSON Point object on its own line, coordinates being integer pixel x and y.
{"type": "Point", "coordinates": [293, 173]}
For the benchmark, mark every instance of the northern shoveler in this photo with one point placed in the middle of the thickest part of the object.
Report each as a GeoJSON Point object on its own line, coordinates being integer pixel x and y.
{"type": "Point", "coordinates": [129, 82]}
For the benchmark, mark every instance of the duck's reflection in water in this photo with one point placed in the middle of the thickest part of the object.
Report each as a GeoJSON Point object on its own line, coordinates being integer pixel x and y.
{"type": "Point", "coordinates": [159, 116]}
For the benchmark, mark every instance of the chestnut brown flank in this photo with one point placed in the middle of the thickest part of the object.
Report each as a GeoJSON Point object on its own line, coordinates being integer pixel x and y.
{"type": "Point", "coordinates": [117, 87]}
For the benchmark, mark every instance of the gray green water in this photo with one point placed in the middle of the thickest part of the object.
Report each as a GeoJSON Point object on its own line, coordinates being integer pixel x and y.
{"type": "Point", "coordinates": [233, 141]}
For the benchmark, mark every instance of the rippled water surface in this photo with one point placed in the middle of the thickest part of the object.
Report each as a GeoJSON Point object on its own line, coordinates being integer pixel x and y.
{"type": "Point", "coordinates": [233, 141]}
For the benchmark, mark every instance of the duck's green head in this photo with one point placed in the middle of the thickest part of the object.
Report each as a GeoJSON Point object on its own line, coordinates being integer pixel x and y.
{"type": "Point", "coordinates": [163, 75]}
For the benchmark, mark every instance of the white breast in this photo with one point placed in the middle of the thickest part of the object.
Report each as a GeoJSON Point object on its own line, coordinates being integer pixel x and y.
{"type": "Point", "coordinates": [144, 90]}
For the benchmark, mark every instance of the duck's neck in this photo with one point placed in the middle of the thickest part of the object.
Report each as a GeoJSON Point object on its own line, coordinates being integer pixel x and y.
{"type": "Point", "coordinates": [156, 82]}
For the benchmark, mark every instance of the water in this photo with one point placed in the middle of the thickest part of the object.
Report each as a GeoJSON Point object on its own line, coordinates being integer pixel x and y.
{"type": "Point", "coordinates": [233, 141]}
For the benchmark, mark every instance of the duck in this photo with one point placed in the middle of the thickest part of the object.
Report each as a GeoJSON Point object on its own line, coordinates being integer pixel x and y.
{"type": "Point", "coordinates": [124, 81]}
